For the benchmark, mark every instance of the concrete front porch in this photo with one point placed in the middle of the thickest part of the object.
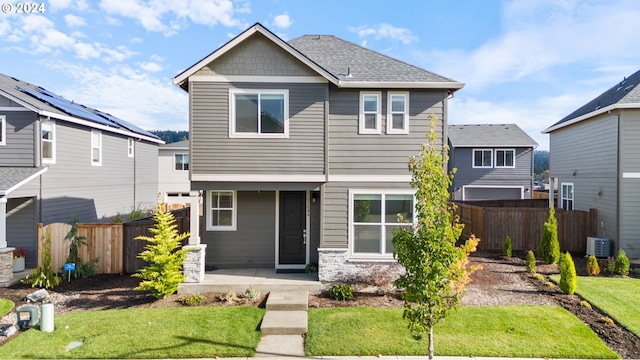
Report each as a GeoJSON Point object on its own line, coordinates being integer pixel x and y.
{"type": "Point", "coordinates": [265, 280]}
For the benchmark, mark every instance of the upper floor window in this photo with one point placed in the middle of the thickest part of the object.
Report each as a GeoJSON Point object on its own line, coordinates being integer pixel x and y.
{"type": "Point", "coordinates": [221, 210]}
{"type": "Point", "coordinates": [96, 147]}
{"type": "Point", "coordinates": [505, 158]}
{"type": "Point", "coordinates": [130, 145]}
{"type": "Point", "coordinates": [370, 109]}
{"type": "Point", "coordinates": [48, 141]}
{"type": "Point", "coordinates": [181, 162]}
{"type": "Point", "coordinates": [398, 113]}
{"type": "Point", "coordinates": [3, 129]}
{"type": "Point", "coordinates": [567, 196]}
{"type": "Point", "coordinates": [256, 113]}
{"type": "Point", "coordinates": [482, 158]}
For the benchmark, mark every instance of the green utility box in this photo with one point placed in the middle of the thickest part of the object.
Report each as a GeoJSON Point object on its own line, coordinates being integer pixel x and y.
{"type": "Point", "coordinates": [27, 317]}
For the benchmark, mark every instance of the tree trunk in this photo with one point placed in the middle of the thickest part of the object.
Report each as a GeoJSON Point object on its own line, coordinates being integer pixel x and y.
{"type": "Point", "coordinates": [430, 342]}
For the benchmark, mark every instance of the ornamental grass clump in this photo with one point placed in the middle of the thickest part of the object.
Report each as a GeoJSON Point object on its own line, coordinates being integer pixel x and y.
{"type": "Point", "coordinates": [568, 280]}
{"type": "Point", "coordinates": [593, 269]}
{"type": "Point", "coordinates": [530, 262]}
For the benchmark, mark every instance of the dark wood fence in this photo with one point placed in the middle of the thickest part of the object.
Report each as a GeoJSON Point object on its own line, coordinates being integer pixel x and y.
{"type": "Point", "coordinates": [141, 227]}
{"type": "Point", "coordinates": [523, 221]}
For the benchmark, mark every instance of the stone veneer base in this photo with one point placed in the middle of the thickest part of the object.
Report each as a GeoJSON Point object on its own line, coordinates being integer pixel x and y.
{"type": "Point", "coordinates": [6, 264]}
{"type": "Point", "coordinates": [194, 263]}
{"type": "Point", "coordinates": [334, 266]}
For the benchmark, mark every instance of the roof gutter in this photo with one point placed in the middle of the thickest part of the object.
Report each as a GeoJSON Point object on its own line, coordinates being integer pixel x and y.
{"type": "Point", "coordinates": [590, 115]}
{"type": "Point", "coordinates": [401, 85]}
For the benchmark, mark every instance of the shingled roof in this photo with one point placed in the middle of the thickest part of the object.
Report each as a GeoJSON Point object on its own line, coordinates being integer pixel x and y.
{"type": "Point", "coordinates": [489, 135]}
{"type": "Point", "coordinates": [46, 103]}
{"type": "Point", "coordinates": [625, 94]}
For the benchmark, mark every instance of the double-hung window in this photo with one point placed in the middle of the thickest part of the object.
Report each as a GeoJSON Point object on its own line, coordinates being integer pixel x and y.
{"type": "Point", "coordinates": [398, 113]}
{"type": "Point", "coordinates": [567, 196]}
{"type": "Point", "coordinates": [48, 142]}
{"type": "Point", "coordinates": [482, 158]}
{"type": "Point", "coordinates": [370, 109]}
{"type": "Point", "coordinates": [3, 130]}
{"type": "Point", "coordinates": [96, 147]}
{"type": "Point", "coordinates": [221, 210]}
{"type": "Point", "coordinates": [181, 162]}
{"type": "Point", "coordinates": [373, 216]}
{"type": "Point", "coordinates": [130, 144]}
{"type": "Point", "coordinates": [505, 158]}
{"type": "Point", "coordinates": [258, 113]}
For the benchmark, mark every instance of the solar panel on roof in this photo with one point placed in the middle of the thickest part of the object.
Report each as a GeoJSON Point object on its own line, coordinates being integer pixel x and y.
{"type": "Point", "coordinates": [125, 124]}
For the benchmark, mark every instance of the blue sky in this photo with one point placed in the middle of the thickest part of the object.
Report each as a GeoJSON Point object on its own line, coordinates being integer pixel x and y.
{"type": "Point", "coordinates": [529, 62]}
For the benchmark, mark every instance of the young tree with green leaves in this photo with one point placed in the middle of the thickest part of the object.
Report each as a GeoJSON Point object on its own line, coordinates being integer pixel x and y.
{"type": "Point", "coordinates": [164, 273]}
{"type": "Point", "coordinates": [435, 268]}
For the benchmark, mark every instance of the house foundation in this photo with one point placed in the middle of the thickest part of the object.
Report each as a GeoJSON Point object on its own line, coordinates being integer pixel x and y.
{"type": "Point", "coordinates": [335, 265]}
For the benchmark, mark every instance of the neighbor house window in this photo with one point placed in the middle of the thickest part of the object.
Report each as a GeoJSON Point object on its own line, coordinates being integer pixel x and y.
{"type": "Point", "coordinates": [48, 141]}
{"type": "Point", "coordinates": [130, 147]}
{"type": "Point", "coordinates": [372, 218]}
{"type": "Point", "coordinates": [398, 113]}
{"type": "Point", "coordinates": [370, 109]}
{"type": "Point", "coordinates": [567, 196]}
{"type": "Point", "coordinates": [221, 210]}
{"type": "Point", "coordinates": [256, 113]}
{"type": "Point", "coordinates": [181, 162]}
{"type": "Point", "coordinates": [505, 158]}
{"type": "Point", "coordinates": [96, 147]}
{"type": "Point", "coordinates": [482, 158]}
{"type": "Point", "coordinates": [3, 130]}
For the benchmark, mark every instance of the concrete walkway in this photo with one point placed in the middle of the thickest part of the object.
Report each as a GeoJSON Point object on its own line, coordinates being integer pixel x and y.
{"type": "Point", "coordinates": [265, 280]}
{"type": "Point", "coordinates": [284, 324]}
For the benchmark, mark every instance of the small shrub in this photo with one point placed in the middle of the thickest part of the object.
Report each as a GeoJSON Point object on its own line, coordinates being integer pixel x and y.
{"type": "Point", "coordinates": [568, 277]}
{"type": "Point", "coordinates": [530, 262]}
{"type": "Point", "coordinates": [538, 277]}
{"type": "Point", "coordinates": [621, 265]}
{"type": "Point", "coordinates": [586, 304]}
{"type": "Point", "coordinates": [138, 213]}
{"type": "Point", "coordinates": [507, 248]}
{"type": "Point", "coordinates": [44, 276]}
{"type": "Point", "coordinates": [252, 293]}
{"type": "Point", "coordinates": [607, 320]}
{"type": "Point", "coordinates": [311, 268]}
{"type": "Point", "coordinates": [228, 296]}
{"type": "Point", "coordinates": [549, 247]}
{"type": "Point", "coordinates": [118, 219]}
{"type": "Point", "coordinates": [610, 264]}
{"type": "Point", "coordinates": [593, 269]}
{"type": "Point", "coordinates": [191, 299]}
{"type": "Point", "coordinates": [341, 292]}
{"type": "Point", "coordinates": [550, 284]}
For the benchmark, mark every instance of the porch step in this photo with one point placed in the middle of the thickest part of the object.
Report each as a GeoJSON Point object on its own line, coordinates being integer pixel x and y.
{"type": "Point", "coordinates": [288, 301]}
{"type": "Point", "coordinates": [284, 323]}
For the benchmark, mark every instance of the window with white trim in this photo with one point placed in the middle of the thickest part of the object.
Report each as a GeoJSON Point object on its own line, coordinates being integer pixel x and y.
{"type": "Point", "coordinates": [398, 113]}
{"type": "Point", "coordinates": [505, 158]}
{"type": "Point", "coordinates": [180, 162]}
{"type": "Point", "coordinates": [3, 130]}
{"type": "Point", "coordinates": [566, 196]}
{"type": "Point", "coordinates": [130, 144]}
{"type": "Point", "coordinates": [48, 142]}
{"type": "Point", "coordinates": [221, 210]}
{"type": "Point", "coordinates": [258, 113]}
{"type": "Point", "coordinates": [370, 109]}
{"type": "Point", "coordinates": [96, 147]}
{"type": "Point", "coordinates": [372, 218]}
{"type": "Point", "coordinates": [482, 158]}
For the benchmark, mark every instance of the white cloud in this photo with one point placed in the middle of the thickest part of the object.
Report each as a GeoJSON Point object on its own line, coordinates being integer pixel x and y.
{"type": "Point", "coordinates": [74, 21]}
{"type": "Point", "coordinates": [155, 15]}
{"type": "Point", "coordinates": [151, 66]}
{"type": "Point", "coordinates": [282, 21]}
{"type": "Point", "coordinates": [56, 5]}
{"type": "Point", "coordinates": [386, 31]}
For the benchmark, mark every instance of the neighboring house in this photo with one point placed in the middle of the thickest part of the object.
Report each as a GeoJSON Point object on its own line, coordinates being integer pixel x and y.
{"type": "Point", "coordinates": [60, 159]}
{"type": "Point", "coordinates": [173, 173]}
{"type": "Point", "coordinates": [300, 149]}
{"type": "Point", "coordinates": [594, 155]}
{"type": "Point", "coordinates": [493, 162]}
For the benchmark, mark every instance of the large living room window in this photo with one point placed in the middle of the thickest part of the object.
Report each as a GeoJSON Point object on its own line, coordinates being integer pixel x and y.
{"type": "Point", "coordinates": [372, 218]}
{"type": "Point", "coordinates": [482, 158]}
{"type": "Point", "coordinates": [221, 210]}
{"type": "Point", "coordinates": [567, 196]}
{"type": "Point", "coordinates": [258, 113]}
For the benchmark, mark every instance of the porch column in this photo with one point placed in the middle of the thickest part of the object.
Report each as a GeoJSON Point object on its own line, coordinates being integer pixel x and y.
{"type": "Point", "coordinates": [194, 261]}
{"type": "Point", "coordinates": [3, 222]}
{"type": "Point", "coordinates": [6, 253]}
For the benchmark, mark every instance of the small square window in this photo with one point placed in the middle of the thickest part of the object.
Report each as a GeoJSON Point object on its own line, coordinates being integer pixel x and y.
{"type": "Point", "coordinates": [221, 210]}
{"type": "Point", "coordinates": [370, 109]}
{"type": "Point", "coordinates": [505, 158]}
{"type": "Point", "coordinates": [181, 162]}
{"type": "Point", "coordinates": [482, 158]}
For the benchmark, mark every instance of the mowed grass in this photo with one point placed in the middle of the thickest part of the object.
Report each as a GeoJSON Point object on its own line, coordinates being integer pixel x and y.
{"type": "Point", "coordinates": [189, 332]}
{"type": "Point", "coordinates": [487, 331]}
{"type": "Point", "coordinates": [618, 297]}
{"type": "Point", "coordinates": [6, 305]}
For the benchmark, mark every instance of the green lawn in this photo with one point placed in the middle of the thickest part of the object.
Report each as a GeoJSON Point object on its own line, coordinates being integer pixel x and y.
{"type": "Point", "coordinates": [200, 332]}
{"type": "Point", "coordinates": [500, 331]}
{"type": "Point", "coordinates": [6, 306]}
{"type": "Point", "coordinates": [618, 297]}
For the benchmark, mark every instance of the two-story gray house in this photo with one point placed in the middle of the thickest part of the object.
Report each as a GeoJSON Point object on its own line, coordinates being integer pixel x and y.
{"type": "Point", "coordinates": [493, 162]}
{"type": "Point", "coordinates": [594, 155]}
{"type": "Point", "coordinates": [300, 149]}
{"type": "Point", "coordinates": [173, 173]}
{"type": "Point", "coordinates": [60, 159]}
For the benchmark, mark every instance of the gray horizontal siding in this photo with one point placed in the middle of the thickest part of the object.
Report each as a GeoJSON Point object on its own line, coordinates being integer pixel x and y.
{"type": "Point", "coordinates": [590, 149]}
{"type": "Point", "coordinates": [20, 146]}
{"type": "Point", "coordinates": [21, 227]}
{"type": "Point", "coordinates": [146, 174]}
{"type": "Point", "coordinates": [335, 200]}
{"type": "Point", "coordinates": [352, 153]}
{"type": "Point", "coordinates": [629, 187]}
{"type": "Point", "coordinates": [213, 152]}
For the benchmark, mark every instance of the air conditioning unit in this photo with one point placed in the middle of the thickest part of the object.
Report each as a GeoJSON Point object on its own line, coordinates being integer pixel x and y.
{"type": "Point", "coordinates": [598, 246]}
